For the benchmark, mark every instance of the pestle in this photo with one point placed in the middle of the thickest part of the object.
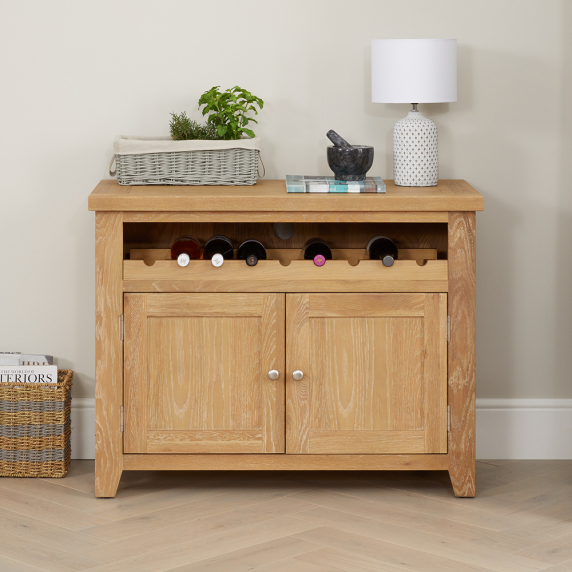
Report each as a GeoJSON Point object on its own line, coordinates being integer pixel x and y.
{"type": "Point", "coordinates": [337, 140]}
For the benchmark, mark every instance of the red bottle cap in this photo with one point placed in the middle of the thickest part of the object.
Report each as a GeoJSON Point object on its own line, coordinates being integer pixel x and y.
{"type": "Point", "coordinates": [319, 260]}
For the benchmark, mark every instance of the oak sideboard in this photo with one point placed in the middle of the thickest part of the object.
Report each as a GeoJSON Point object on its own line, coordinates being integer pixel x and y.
{"type": "Point", "coordinates": [195, 366]}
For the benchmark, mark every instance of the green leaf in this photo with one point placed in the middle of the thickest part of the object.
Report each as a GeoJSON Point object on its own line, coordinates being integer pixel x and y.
{"type": "Point", "coordinates": [249, 132]}
{"type": "Point", "coordinates": [221, 130]}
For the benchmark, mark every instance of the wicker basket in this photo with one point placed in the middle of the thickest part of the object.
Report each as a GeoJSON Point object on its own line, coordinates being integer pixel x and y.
{"type": "Point", "coordinates": [159, 161]}
{"type": "Point", "coordinates": [35, 428]}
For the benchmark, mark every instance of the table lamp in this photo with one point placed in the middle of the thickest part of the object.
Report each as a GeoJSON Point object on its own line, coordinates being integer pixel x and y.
{"type": "Point", "coordinates": [414, 71]}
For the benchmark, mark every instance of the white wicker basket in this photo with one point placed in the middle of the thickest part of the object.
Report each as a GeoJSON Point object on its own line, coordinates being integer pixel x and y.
{"type": "Point", "coordinates": [161, 161]}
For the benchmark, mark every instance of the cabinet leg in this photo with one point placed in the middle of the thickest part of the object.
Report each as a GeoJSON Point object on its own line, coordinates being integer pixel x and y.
{"type": "Point", "coordinates": [106, 479]}
{"type": "Point", "coordinates": [464, 481]}
{"type": "Point", "coordinates": [461, 382]}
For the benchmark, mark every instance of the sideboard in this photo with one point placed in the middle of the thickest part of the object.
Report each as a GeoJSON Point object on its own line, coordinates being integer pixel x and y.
{"type": "Point", "coordinates": [285, 365]}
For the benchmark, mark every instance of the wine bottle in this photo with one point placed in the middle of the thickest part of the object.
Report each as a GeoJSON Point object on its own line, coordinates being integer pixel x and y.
{"type": "Point", "coordinates": [382, 248]}
{"type": "Point", "coordinates": [252, 251]}
{"type": "Point", "coordinates": [217, 249]}
{"type": "Point", "coordinates": [185, 249]}
{"type": "Point", "coordinates": [317, 250]}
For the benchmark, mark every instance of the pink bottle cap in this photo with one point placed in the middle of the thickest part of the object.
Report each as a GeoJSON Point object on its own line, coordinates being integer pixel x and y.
{"type": "Point", "coordinates": [319, 260]}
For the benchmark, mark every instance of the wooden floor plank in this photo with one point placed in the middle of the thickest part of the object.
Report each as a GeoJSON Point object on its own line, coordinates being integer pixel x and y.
{"type": "Point", "coordinates": [335, 560]}
{"type": "Point", "coordinates": [44, 490]}
{"type": "Point", "coordinates": [461, 510]}
{"type": "Point", "coordinates": [553, 551]}
{"type": "Point", "coordinates": [384, 553]}
{"type": "Point", "coordinates": [430, 543]}
{"type": "Point", "coordinates": [47, 511]}
{"type": "Point", "coordinates": [209, 547]}
{"type": "Point", "coordinates": [252, 557]}
{"type": "Point", "coordinates": [198, 528]}
{"type": "Point", "coordinates": [9, 565]}
{"type": "Point", "coordinates": [51, 535]}
{"type": "Point", "coordinates": [393, 516]}
{"type": "Point", "coordinates": [292, 565]}
{"type": "Point", "coordinates": [42, 556]}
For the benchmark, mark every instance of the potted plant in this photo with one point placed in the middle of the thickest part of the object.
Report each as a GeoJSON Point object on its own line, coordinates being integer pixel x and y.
{"type": "Point", "coordinates": [224, 151]}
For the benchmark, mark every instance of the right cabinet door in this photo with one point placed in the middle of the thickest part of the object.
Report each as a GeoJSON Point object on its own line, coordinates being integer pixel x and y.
{"type": "Point", "coordinates": [374, 373]}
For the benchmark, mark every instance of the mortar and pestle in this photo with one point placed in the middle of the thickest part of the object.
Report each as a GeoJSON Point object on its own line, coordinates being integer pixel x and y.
{"type": "Point", "coordinates": [348, 162]}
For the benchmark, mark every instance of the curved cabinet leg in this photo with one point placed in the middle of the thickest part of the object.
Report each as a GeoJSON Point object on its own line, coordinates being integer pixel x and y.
{"type": "Point", "coordinates": [461, 382]}
{"type": "Point", "coordinates": [108, 352]}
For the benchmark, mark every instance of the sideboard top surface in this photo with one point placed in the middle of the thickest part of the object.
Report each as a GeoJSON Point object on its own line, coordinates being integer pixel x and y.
{"type": "Point", "coordinates": [271, 196]}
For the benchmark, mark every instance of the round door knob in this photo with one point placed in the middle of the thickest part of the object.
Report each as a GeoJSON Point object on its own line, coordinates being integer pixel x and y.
{"type": "Point", "coordinates": [273, 374]}
{"type": "Point", "coordinates": [298, 375]}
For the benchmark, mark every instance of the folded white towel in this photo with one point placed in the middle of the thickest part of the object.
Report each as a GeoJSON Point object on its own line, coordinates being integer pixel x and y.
{"type": "Point", "coordinates": [124, 145]}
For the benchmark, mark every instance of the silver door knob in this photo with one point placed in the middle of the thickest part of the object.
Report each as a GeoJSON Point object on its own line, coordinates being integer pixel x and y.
{"type": "Point", "coordinates": [273, 374]}
{"type": "Point", "coordinates": [298, 375]}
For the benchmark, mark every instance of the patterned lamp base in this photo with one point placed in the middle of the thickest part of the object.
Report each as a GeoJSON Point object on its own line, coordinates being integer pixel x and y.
{"type": "Point", "coordinates": [415, 157]}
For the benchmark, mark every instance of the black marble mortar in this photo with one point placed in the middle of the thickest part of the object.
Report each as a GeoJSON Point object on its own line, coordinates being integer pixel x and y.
{"type": "Point", "coordinates": [350, 164]}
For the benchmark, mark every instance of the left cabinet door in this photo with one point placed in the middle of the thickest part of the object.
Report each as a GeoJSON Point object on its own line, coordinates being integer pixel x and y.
{"type": "Point", "coordinates": [196, 373]}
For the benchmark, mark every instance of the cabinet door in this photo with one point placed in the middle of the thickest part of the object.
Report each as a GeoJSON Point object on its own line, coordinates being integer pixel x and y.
{"type": "Point", "coordinates": [196, 373]}
{"type": "Point", "coordinates": [374, 373]}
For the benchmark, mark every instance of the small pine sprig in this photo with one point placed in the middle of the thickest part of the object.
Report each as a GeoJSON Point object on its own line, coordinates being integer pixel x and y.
{"type": "Point", "coordinates": [183, 128]}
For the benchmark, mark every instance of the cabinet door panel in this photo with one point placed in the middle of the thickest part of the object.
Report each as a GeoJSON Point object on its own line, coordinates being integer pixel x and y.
{"type": "Point", "coordinates": [196, 370]}
{"type": "Point", "coordinates": [375, 377]}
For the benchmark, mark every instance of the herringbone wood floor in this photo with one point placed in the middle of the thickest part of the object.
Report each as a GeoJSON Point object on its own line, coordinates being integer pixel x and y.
{"type": "Point", "coordinates": [521, 521]}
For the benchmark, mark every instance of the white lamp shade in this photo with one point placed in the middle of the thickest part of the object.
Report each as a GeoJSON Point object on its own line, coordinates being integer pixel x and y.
{"type": "Point", "coordinates": [413, 71]}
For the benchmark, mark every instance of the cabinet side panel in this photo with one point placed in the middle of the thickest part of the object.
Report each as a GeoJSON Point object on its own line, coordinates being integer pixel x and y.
{"type": "Point", "coordinates": [461, 387]}
{"type": "Point", "coordinates": [108, 352]}
{"type": "Point", "coordinates": [136, 374]}
{"type": "Point", "coordinates": [435, 373]}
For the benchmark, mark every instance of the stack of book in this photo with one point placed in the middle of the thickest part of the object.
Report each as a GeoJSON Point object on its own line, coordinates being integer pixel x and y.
{"type": "Point", "coordinates": [16, 367]}
{"type": "Point", "coordinates": [314, 184]}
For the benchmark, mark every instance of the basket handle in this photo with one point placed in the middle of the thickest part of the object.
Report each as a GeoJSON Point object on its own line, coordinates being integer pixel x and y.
{"type": "Point", "coordinates": [112, 173]}
{"type": "Point", "coordinates": [263, 167]}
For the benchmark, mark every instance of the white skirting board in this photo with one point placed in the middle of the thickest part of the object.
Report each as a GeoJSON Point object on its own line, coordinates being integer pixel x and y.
{"type": "Point", "coordinates": [506, 428]}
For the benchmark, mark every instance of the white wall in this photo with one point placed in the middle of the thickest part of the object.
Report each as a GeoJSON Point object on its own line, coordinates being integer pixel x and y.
{"type": "Point", "coordinates": [75, 74]}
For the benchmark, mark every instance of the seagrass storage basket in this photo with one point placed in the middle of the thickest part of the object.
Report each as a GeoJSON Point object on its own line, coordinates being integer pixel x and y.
{"type": "Point", "coordinates": [35, 428]}
{"type": "Point", "coordinates": [161, 161]}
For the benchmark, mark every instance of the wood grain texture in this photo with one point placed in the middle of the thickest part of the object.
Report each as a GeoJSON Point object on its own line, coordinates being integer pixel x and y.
{"type": "Point", "coordinates": [281, 462]}
{"type": "Point", "coordinates": [203, 384]}
{"type": "Point", "coordinates": [298, 340]}
{"type": "Point", "coordinates": [108, 352]}
{"type": "Point", "coordinates": [366, 305]}
{"type": "Point", "coordinates": [298, 276]}
{"type": "Point", "coordinates": [213, 441]}
{"type": "Point", "coordinates": [366, 442]}
{"type": "Point", "coordinates": [435, 366]}
{"type": "Point", "coordinates": [135, 373]}
{"type": "Point", "coordinates": [360, 355]}
{"type": "Point", "coordinates": [285, 255]}
{"type": "Point", "coordinates": [271, 196]}
{"type": "Point", "coordinates": [461, 362]}
{"type": "Point", "coordinates": [336, 217]}
{"type": "Point", "coordinates": [273, 356]}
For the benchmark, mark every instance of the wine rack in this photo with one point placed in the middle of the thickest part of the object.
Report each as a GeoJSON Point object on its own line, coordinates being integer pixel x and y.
{"type": "Point", "coordinates": [285, 270]}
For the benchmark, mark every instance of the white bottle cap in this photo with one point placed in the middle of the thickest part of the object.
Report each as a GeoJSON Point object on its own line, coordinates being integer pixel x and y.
{"type": "Point", "coordinates": [217, 260]}
{"type": "Point", "coordinates": [183, 259]}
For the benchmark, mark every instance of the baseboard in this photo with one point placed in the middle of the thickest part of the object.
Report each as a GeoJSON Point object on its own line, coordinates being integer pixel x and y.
{"type": "Point", "coordinates": [524, 428]}
{"type": "Point", "coordinates": [83, 428]}
{"type": "Point", "coordinates": [506, 428]}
